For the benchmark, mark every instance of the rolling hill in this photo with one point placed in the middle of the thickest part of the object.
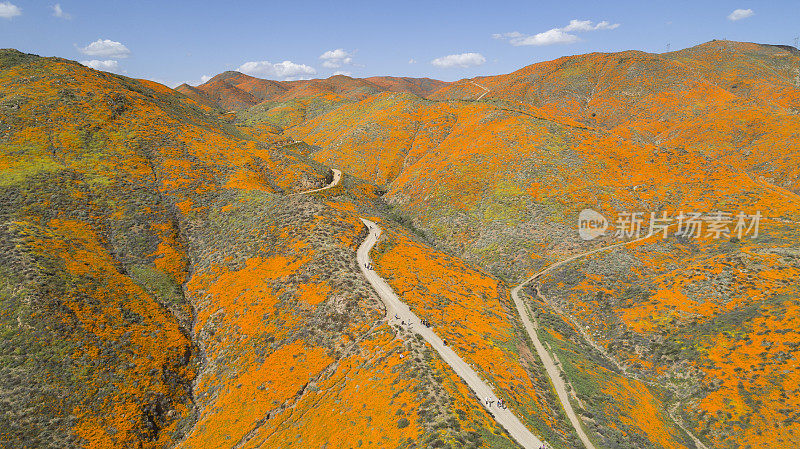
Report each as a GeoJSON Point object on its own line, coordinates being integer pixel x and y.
{"type": "Point", "coordinates": [237, 91]}
{"type": "Point", "coordinates": [169, 281]}
{"type": "Point", "coordinates": [164, 285]}
{"type": "Point", "coordinates": [499, 182]}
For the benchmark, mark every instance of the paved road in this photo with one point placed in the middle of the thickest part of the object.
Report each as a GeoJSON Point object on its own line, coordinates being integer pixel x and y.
{"type": "Point", "coordinates": [337, 176]}
{"type": "Point", "coordinates": [396, 308]}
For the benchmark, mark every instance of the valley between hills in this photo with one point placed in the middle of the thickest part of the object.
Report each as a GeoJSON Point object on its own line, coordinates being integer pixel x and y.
{"type": "Point", "coordinates": [395, 262]}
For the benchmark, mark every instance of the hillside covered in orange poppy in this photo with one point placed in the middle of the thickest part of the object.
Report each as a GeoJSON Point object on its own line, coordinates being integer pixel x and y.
{"type": "Point", "coordinates": [163, 285]}
{"type": "Point", "coordinates": [499, 182]}
{"type": "Point", "coordinates": [166, 283]}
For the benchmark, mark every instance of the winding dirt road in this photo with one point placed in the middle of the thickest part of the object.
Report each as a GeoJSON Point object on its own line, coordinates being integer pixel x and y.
{"type": "Point", "coordinates": [550, 366]}
{"type": "Point", "coordinates": [337, 176]}
{"type": "Point", "coordinates": [397, 312]}
{"type": "Point", "coordinates": [552, 370]}
{"type": "Point", "coordinates": [531, 325]}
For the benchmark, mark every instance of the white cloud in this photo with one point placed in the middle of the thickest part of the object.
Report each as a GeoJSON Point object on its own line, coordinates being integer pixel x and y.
{"type": "Point", "coordinates": [511, 35]}
{"type": "Point", "coordinates": [461, 60]}
{"type": "Point", "coordinates": [204, 79]}
{"type": "Point", "coordinates": [556, 35]}
{"type": "Point", "coordinates": [740, 14]}
{"type": "Point", "coordinates": [549, 37]}
{"type": "Point", "coordinates": [343, 72]}
{"type": "Point", "coordinates": [333, 59]}
{"type": "Point", "coordinates": [58, 12]}
{"type": "Point", "coordinates": [412, 61]}
{"type": "Point", "coordinates": [109, 65]}
{"type": "Point", "coordinates": [9, 10]}
{"type": "Point", "coordinates": [286, 70]}
{"type": "Point", "coordinates": [106, 48]}
{"type": "Point", "coordinates": [587, 25]}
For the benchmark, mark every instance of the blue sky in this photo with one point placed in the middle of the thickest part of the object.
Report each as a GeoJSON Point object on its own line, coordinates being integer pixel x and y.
{"type": "Point", "coordinates": [183, 41]}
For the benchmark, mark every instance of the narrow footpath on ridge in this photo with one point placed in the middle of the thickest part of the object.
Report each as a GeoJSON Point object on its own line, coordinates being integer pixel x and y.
{"type": "Point", "coordinates": [485, 90]}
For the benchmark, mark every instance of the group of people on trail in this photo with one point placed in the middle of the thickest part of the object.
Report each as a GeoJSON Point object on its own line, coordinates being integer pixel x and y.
{"type": "Point", "coordinates": [402, 322]}
{"type": "Point", "coordinates": [425, 323]}
{"type": "Point", "coordinates": [367, 265]}
{"type": "Point", "coordinates": [500, 403]}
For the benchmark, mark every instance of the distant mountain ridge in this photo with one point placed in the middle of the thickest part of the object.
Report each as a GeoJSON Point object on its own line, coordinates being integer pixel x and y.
{"type": "Point", "coordinates": [233, 90]}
